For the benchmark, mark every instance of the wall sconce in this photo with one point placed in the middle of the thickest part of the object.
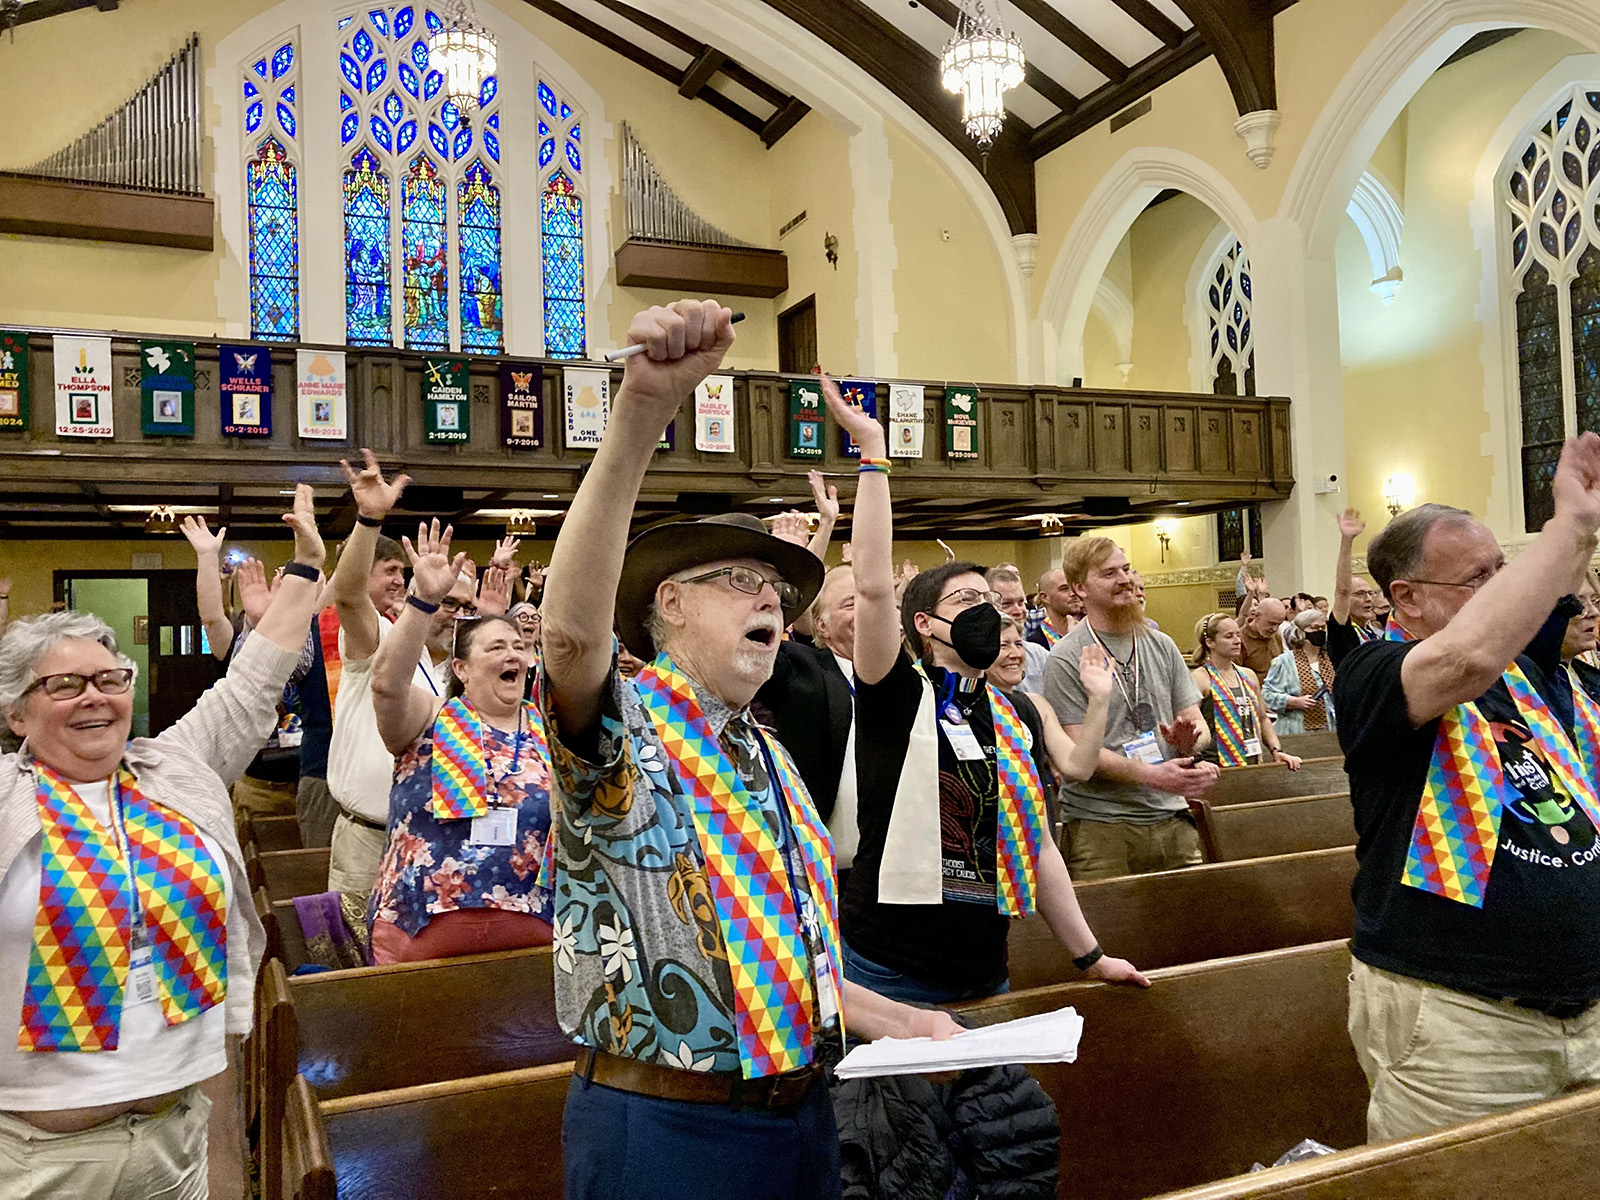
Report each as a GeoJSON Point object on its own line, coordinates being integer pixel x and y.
{"type": "Point", "coordinates": [1164, 531]}
{"type": "Point", "coordinates": [161, 520]}
{"type": "Point", "coordinates": [830, 247]}
{"type": "Point", "coordinates": [520, 523]}
{"type": "Point", "coordinates": [1399, 493]}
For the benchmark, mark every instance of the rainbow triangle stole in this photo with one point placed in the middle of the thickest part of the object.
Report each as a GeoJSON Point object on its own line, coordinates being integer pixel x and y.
{"type": "Point", "coordinates": [1023, 820]}
{"type": "Point", "coordinates": [767, 954]}
{"type": "Point", "coordinates": [460, 767]}
{"type": "Point", "coordinates": [1051, 637]}
{"type": "Point", "coordinates": [1230, 728]}
{"type": "Point", "coordinates": [78, 963]}
{"type": "Point", "coordinates": [1457, 830]}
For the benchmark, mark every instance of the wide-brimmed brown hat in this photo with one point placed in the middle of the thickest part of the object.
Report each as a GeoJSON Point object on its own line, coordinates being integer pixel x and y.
{"type": "Point", "coordinates": [668, 549]}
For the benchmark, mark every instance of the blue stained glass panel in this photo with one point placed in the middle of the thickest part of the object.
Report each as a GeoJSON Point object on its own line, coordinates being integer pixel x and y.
{"type": "Point", "coordinates": [494, 121]}
{"type": "Point", "coordinates": [348, 128]}
{"type": "Point", "coordinates": [419, 54]}
{"type": "Point", "coordinates": [351, 71]}
{"type": "Point", "coordinates": [393, 110]}
{"type": "Point", "coordinates": [252, 117]}
{"type": "Point", "coordinates": [404, 136]}
{"type": "Point", "coordinates": [362, 45]}
{"type": "Point", "coordinates": [366, 240]}
{"type": "Point", "coordinates": [261, 68]}
{"type": "Point", "coordinates": [548, 99]}
{"type": "Point", "coordinates": [282, 61]}
{"type": "Point", "coordinates": [408, 79]}
{"type": "Point", "coordinates": [492, 145]}
{"type": "Point", "coordinates": [250, 89]}
{"type": "Point", "coordinates": [573, 157]}
{"type": "Point", "coordinates": [377, 73]}
{"type": "Point", "coordinates": [426, 265]}
{"type": "Point", "coordinates": [439, 141]}
{"type": "Point", "coordinates": [286, 119]}
{"type": "Point", "coordinates": [345, 103]}
{"type": "Point", "coordinates": [561, 230]}
{"type": "Point", "coordinates": [288, 95]}
{"type": "Point", "coordinates": [577, 133]}
{"type": "Point", "coordinates": [380, 18]}
{"type": "Point", "coordinates": [487, 93]}
{"type": "Point", "coordinates": [566, 110]}
{"type": "Point", "coordinates": [343, 21]}
{"type": "Point", "coordinates": [547, 151]}
{"type": "Point", "coordinates": [449, 114]}
{"type": "Point", "coordinates": [463, 142]}
{"type": "Point", "coordinates": [482, 313]}
{"type": "Point", "coordinates": [402, 22]}
{"type": "Point", "coordinates": [432, 18]}
{"type": "Point", "coordinates": [544, 130]}
{"type": "Point", "coordinates": [380, 130]}
{"type": "Point", "coordinates": [431, 85]}
{"type": "Point", "coordinates": [270, 186]}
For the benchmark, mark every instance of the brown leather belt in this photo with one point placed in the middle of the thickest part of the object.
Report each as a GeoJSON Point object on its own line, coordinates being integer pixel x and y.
{"type": "Point", "coordinates": [668, 1083]}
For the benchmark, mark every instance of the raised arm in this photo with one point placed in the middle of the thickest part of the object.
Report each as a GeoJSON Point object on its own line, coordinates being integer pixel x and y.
{"type": "Point", "coordinates": [872, 541]}
{"type": "Point", "coordinates": [1351, 527]}
{"type": "Point", "coordinates": [403, 709]}
{"type": "Point", "coordinates": [1078, 759]}
{"type": "Point", "coordinates": [683, 344]}
{"type": "Point", "coordinates": [208, 583]}
{"type": "Point", "coordinates": [358, 618]}
{"type": "Point", "coordinates": [827, 501]}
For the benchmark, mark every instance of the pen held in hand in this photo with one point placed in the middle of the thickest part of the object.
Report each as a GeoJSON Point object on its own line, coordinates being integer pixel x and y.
{"type": "Point", "coordinates": [630, 351]}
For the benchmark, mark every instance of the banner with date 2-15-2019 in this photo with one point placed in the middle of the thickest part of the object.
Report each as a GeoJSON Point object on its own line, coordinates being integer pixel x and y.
{"type": "Point", "coordinates": [446, 401]}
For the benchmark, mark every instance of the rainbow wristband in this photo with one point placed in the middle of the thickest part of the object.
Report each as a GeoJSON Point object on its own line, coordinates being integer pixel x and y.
{"type": "Point", "coordinates": [874, 464]}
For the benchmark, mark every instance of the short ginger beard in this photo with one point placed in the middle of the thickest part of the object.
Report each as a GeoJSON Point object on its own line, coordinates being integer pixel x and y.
{"type": "Point", "coordinates": [1125, 618]}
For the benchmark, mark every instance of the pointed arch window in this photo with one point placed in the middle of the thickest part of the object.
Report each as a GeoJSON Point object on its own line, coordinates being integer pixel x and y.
{"type": "Point", "coordinates": [269, 86]}
{"type": "Point", "coordinates": [1548, 192]}
{"type": "Point", "coordinates": [427, 270]}
{"type": "Point", "coordinates": [478, 209]}
{"type": "Point", "coordinates": [366, 240]}
{"type": "Point", "coordinates": [561, 224]}
{"type": "Point", "coordinates": [1226, 297]}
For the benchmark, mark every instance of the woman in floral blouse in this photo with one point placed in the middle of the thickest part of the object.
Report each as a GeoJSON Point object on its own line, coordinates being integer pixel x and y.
{"type": "Point", "coordinates": [470, 809]}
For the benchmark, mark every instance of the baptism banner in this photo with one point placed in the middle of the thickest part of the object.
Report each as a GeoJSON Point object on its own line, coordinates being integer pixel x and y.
{"type": "Point", "coordinates": [961, 422]}
{"type": "Point", "coordinates": [905, 420]}
{"type": "Point", "coordinates": [166, 386]}
{"type": "Point", "coordinates": [13, 380]}
{"type": "Point", "coordinates": [521, 406]}
{"type": "Point", "coordinates": [805, 419]}
{"type": "Point", "coordinates": [860, 394]}
{"type": "Point", "coordinates": [245, 374]}
{"type": "Point", "coordinates": [713, 414]}
{"type": "Point", "coordinates": [83, 387]}
{"type": "Point", "coordinates": [446, 401]}
{"type": "Point", "coordinates": [320, 387]}
{"type": "Point", "coordinates": [587, 392]}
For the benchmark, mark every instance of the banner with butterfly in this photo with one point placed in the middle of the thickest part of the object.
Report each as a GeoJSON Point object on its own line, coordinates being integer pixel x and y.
{"type": "Point", "coordinates": [521, 406]}
{"type": "Point", "coordinates": [713, 415]}
{"type": "Point", "coordinates": [246, 390]}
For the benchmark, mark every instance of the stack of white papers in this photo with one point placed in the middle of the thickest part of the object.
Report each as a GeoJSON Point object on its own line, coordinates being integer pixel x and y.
{"type": "Point", "coordinates": [1048, 1037]}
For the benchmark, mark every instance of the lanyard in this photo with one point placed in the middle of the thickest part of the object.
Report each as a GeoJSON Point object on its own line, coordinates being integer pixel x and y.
{"type": "Point", "coordinates": [119, 836]}
{"type": "Point", "coordinates": [428, 675]}
{"type": "Point", "coordinates": [1133, 661]}
{"type": "Point", "coordinates": [516, 754]}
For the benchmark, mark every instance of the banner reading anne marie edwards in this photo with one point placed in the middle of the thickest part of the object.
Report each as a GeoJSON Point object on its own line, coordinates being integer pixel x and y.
{"type": "Point", "coordinates": [320, 387]}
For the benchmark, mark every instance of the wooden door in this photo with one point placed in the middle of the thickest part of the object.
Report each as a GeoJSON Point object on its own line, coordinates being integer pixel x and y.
{"type": "Point", "coordinates": [797, 338]}
{"type": "Point", "coordinates": [181, 665]}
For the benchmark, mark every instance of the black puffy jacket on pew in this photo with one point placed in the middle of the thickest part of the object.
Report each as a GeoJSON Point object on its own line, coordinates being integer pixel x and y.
{"type": "Point", "coordinates": [991, 1133]}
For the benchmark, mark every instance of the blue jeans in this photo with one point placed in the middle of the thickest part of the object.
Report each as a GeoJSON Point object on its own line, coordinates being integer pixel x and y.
{"type": "Point", "coordinates": [897, 985]}
{"type": "Point", "coordinates": [622, 1146]}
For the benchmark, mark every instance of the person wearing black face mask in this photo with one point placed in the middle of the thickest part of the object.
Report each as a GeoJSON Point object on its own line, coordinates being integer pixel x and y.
{"type": "Point", "coordinates": [1299, 686]}
{"type": "Point", "coordinates": [945, 772]}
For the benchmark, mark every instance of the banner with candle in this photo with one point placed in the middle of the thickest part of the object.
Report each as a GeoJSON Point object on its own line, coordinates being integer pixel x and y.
{"type": "Point", "coordinates": [320, 386]}
{"type": "Point", "coordinates": [83, 387]}
{"type": "Point", "coordinates": [961, 422]}
{"type": "Point", "coordinates": [805, 419]}
{"type": "Point", "coordinates": [586, 392]}
{"type": "Point", "coordinates": [166, 389]}
{"type": "Point", "coordinates": [13, 380]}
{"type": "Point", "coordinates": [862, 394]}
{"type": "Point", "coordinates": [245, 387]}
{"type": "Point", "coordinates": [905, 420]}
{"type": "Point", "coordinates": [713, 414]}
{"type": "Point", "coordinates": [446, 401]}
{"type": "Point", "coordinates": [521, 406]}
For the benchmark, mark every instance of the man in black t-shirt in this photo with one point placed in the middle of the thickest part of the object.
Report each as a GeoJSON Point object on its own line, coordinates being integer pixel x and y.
{"type": "Point", "coordinates": [1477, 924]}
{"type": "Point", "coordinates": [924, 915]}
{"type": "Point", "coordinates": [1350, 618]}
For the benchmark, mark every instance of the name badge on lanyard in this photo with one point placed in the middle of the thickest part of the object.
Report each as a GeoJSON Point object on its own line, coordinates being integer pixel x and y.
{"type": "Point", "coordinates": [497, 827]}
{"type": "Point", "coordinates": [962, 740]}
{"type": "Point", "coordinates": [1144, 748]}
{"type": "Point", "coordinates": [141, 987]}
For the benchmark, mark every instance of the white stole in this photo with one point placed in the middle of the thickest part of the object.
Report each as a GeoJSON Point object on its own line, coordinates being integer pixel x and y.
{"type": "Point", "coordinates": [843, 825]}
{"type": "Point", "coordinates": [912, 870]}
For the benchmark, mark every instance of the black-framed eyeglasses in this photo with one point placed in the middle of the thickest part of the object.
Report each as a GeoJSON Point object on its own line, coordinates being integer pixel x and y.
{"type": "Point", "coordinates": [463, 608]}
{"type": "Point", "coordinates": [967, 597]}
{"type": "Point", "coordinates": [750, 581]}
{"type": "Point", "coordinates": [1473, 584]}
{"type": "Point", "coordinates": [70, 685]}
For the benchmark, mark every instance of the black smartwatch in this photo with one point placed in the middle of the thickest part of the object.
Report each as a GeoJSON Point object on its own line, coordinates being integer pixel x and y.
{"type": "Point", "coordinates": [1089, 959]}
{"type": "Point", "coordinates": [302, 571]}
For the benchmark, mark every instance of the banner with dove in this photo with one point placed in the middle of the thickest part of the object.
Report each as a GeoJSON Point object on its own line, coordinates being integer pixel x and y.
{"type": "Point", "coordinates": [13, 380]}
{"type": "Point", "coordinates": [521, 406]}
{"type": "Point", "coordinates": [83, 387]}
{"type": "Point", "coordinates": [586, 392]}
{"type": "Point", "coordinates": [245, 385]}
{"type": "Point", "coordinates": [320, 388]}
{"type": "Point", "coordinates": [905, 420]}
{"type": "Point", "coordinates": [446, 401]}
{"type": "Point", "coordinates": [713, 414]}
{"type": "Point", "coordinates": [961, 422]}
{"type": "Point", "coordinates": [860, 394]}
{"type": "Point", "coordinates": [166, 388]}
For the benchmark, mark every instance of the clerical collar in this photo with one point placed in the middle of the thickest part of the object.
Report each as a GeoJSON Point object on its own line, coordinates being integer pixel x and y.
{"type": "Point", "coordinates": [964, 684]}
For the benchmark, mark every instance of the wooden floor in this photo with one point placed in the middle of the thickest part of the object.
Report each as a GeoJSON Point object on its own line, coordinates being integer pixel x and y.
{"type": "Point", "coordinates": [229, 1178]}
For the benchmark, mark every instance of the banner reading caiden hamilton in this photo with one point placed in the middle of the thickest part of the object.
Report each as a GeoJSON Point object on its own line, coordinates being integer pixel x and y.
{"type": "Point", "coordinates": [13, 380]}
{"type": "Point", "coordinates": [446, 401]}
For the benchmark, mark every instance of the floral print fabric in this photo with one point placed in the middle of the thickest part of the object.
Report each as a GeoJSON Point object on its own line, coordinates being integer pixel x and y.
{"type": "Point", "coordinates": [430, 866]}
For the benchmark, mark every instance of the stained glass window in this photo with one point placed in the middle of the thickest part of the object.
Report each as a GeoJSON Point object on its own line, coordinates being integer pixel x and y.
{"type": "Point", "coordinates": [427, 290]}
{"type": "Point", "coordinates": [1547, 189]}
{"type": "Point", "coordinates": [1238, 530]}
{"type": "Point", "coordinates": [478, 217]}
{"type": "Point", "coordinates": [391, 102]}
{"type": "Point", "coordinates": [561, 223]}
{"type": "Point", "coordinates": [1226, 297]}
{"type": "Point", "coordinates": [366, 238]}
{"type": "Point", "coordinates": [272, 192]}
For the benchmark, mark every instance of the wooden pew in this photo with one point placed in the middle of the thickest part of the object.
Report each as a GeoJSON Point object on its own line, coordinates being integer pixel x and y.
{"type": "Point", "coordinates": [1274, 781]}
{"type": "Point", "coordinates": [285, 942]}
{"type": "Point", "coordinates": [1215, 1067]}
{"type": "Point", "coordinates": [490, 1135]}
{"type": "Point", "coordinates": [291, 873]}
{"type": "Point", "coordinates": [275, 833]}
{"type": "Point", "coordinates": [1544, 1151]}
{"type": "Point", "coordinates": [1273, 827]}
{"type": "Point", "coordinates": [1213, 911]}
{"type": "Point", "coordinates": [252, 866]}
{"type": "Point", "coordinates": [1323, 744]}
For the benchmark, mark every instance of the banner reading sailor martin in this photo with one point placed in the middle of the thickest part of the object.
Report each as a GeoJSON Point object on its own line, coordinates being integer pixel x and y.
{"type": "Point", "coordinates": [319, 384]}
{"type": "Point", "coordinates": [83, 387]}
{"type": "Point", "coordinates": [521, 406]}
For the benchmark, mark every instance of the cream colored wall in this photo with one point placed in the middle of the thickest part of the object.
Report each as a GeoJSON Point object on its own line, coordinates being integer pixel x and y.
{"type": "Point", "coordinates": [1164, 243]}
{"type": "Point", "coordinates": [1100, 355]}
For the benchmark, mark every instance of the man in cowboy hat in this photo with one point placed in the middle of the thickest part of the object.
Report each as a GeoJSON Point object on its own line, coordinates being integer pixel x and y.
{"type": "Point", "coordinates": [696, 936]}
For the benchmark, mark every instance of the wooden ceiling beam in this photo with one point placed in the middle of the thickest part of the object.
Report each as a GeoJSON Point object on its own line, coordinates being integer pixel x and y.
{"type": "Point", "coordinates": [785, 119]}
{"type": "Point", "coordinates": [1050, 19]}
{"type": "Point", "coordinates": [911, 72]}
{"type": "Point", "coordinates": [1239, 33]}
{"type": "Point", "coordinates": [674, 36]}
{"type": "Point", "coordinates": [1153, 19]}
{"type": "Point", "coordinates": [1104, 103]}
{"type": "Point", "coordinates": [699, 72]}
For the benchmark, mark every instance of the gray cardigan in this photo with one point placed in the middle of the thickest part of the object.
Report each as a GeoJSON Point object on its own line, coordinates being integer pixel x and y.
{"type": "Point", "coordinates": [190, 768]}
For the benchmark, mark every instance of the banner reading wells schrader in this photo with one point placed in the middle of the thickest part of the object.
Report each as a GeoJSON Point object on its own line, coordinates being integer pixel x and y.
{"type": "Point", "coordinates": [320, 387]}
{"type": "Point", "coordinates": [13, 380]}
{"type": "Point", "coordinates": [83, 387]}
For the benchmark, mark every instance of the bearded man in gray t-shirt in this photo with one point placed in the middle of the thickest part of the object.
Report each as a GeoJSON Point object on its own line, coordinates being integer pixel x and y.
{"type": "Point", "coordinates": [1132, 816]}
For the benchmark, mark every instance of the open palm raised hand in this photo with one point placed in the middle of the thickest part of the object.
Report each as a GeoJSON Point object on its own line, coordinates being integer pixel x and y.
{"type": "Point", "coordinates": [432, 569]}
{"type": "Point", "coordinates": [374, 498]}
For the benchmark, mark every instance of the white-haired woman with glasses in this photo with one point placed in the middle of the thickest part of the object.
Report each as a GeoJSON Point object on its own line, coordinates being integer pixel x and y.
{"type": "Point", "coordinates": [469, 811]}
{"type": "Point", "coordinates": [128, 943]}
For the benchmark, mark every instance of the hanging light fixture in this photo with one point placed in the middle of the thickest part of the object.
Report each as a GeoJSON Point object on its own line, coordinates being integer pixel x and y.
{"type": "Point", "coordinates": [463, 51]}
{"type": "Point", "coordinates": [981, 63]}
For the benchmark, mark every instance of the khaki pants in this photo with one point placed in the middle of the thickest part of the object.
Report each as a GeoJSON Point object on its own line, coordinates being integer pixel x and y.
{"type": "Point", "coordinates": [1435, 1057]}
{"type": "Point", "coordinates": [260, 798]}
{"type": "Point", "coordinates": [353, 861]}
{"type": "Point", "coordinates": [132, 1157]}
{"type": "Point", "coordinates": [316, 809]}
{"type": "Point", "coordinates": [1107, 849]}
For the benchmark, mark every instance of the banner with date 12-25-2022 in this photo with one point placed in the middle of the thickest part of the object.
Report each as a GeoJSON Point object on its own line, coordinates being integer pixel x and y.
{"type": "Point", "coordinates": [83, 387]}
